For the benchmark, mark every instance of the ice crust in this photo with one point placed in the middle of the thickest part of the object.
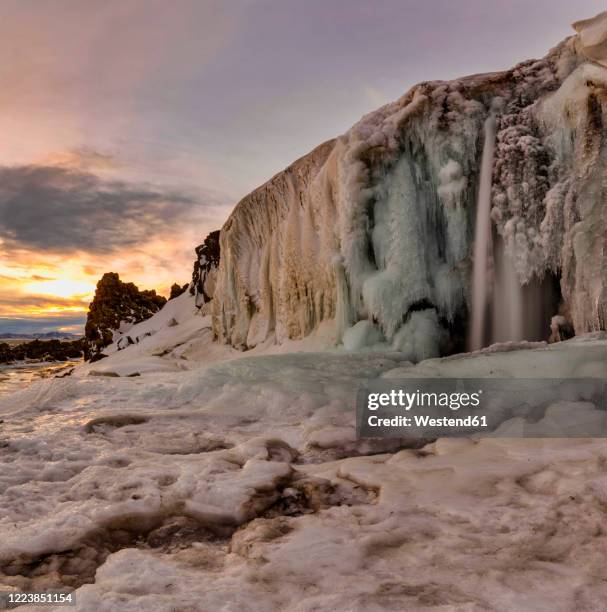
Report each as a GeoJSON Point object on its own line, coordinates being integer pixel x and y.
{"type": "Point", "coordinates": [291, 511]}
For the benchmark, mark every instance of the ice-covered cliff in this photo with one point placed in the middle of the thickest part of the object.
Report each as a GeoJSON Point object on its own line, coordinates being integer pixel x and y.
{"type": "Point", "coordinates": [374, 231]}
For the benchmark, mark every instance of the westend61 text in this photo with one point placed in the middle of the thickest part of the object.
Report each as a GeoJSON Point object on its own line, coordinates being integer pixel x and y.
{"type": "Point", "coordinates": [423, 420]}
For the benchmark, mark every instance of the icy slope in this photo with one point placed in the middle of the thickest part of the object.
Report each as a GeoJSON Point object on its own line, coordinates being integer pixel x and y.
{"type": "Point", "coordinates": [179, 337]}
{"type": "Point", "coordinates": [241, 486]}
{"type": "Point", "coordinates": [156, 344]}
{"type": "Point", "coordinates": [378, 224]}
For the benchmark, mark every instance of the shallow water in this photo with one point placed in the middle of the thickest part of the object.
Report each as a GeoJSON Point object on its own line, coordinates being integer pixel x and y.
{"type": "Point", "coordinates": [18, 376]}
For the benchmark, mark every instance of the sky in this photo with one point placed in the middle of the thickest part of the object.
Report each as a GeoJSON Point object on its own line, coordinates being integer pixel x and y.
{"type": "Point", "coordinates": [130, 128]}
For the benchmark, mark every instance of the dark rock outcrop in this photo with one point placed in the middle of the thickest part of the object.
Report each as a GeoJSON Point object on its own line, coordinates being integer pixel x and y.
{"type": "Point", "coordinates": [205, 269]}
{"type": "Point", "coordinates": [116, 303]}
{"type": "Point", "coordinates": [177, 290]}
{"type": "Point", "coordinates": [41, 350]}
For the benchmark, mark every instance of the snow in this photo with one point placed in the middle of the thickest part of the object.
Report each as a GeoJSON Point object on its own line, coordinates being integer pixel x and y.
{"type": "Point", "coordinates": [180, 310]}
{"type": "Point", "coordinates": [420, 337]}
{"type": "Point", "coordinates": [363, 334]}
{"type": "Point", "coordinates": [171, 332]}
{"type": "Point", "coordinates": [593, 37]}
{"type": "Point", "coordinates": [239, 484]}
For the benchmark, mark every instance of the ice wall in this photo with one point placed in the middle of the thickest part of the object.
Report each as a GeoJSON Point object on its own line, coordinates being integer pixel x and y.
{"type": "Point", "coordinates": [378, 224]}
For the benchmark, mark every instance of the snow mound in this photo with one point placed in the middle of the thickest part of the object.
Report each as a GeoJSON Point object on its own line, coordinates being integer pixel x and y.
{"type": "Point", "coordinates": [156, 344]}
{"type": "Point", "coordinates": [363, 334]}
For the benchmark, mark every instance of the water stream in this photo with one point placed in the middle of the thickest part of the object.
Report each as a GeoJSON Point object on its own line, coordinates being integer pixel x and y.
{"type": "Point", "coordinates": [502, 309]}
{"type": "Point", "coordinates": [482, 264]}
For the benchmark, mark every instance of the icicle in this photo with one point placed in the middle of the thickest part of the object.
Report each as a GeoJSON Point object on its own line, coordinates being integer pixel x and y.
{"type": "Point", "coordinates": [343, 310]}
{"type": "Point", "coordinates": [508, 321]}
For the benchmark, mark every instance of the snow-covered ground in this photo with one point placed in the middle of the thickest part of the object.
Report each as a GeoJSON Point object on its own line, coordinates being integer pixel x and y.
{"type": "Point", "coordinates": [217, 480]}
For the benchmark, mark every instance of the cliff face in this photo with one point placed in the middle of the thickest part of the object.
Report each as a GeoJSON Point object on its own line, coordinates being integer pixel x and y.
{"type": "Point", "coordinates": [204, 275]}
{"type": "Point", "coordinates": [116, 306]}
{"type": "Point", "coordinates": [274, 274]}
{"type": "Point", "coordinates": [378, 225]}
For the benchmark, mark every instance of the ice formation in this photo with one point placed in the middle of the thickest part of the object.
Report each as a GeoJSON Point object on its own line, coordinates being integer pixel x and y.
{"type": "Point", "coordinates": [178, 474]}
{"type": "Point", "coordinates": [379, 223]}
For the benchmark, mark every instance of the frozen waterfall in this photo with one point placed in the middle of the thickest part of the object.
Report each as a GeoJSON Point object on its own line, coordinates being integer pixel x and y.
{"type": "Point", "coordinates": [503, 309]}
{"type": "Point", "coordinates": [481, 273]}
{"type": "Point", "coordinates": [378, 224]}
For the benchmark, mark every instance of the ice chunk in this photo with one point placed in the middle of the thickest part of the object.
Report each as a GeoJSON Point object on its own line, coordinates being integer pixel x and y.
{"type": "Point", "coordinates": [420, 337]}
{"type": "Point", "coordinates": [362, 335]}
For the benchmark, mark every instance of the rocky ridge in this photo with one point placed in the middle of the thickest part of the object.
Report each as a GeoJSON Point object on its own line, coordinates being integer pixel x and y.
{"type": "Point", "coordinates": [116, 306]}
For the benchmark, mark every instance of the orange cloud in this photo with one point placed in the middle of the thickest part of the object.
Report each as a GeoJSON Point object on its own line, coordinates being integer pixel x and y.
{"type": "Point", "coordinates": [73, 227]}
{"type": "Point", "coordinates": [34, 284]}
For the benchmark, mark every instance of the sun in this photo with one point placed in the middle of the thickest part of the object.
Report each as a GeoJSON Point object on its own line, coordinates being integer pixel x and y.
{"type": "Point", "coordinates": [63, 288]}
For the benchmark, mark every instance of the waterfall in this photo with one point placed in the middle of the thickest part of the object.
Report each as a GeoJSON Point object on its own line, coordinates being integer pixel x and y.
{"type": "Point", "coordinates": [502, 310]}
{"type": "Point", "coordinates": [508, 301]}
{"type": "Point", "coordinates": [482, 241]}
{"type": "Point", "coordinates": [343, 310]}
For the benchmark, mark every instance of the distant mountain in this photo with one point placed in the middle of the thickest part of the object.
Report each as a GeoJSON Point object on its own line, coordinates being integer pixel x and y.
{"type": "Point", "coordinates": [46, 335]}
{"type": "Point", "coordinates": [54, 334]}
{"type": "Point", "coordinates": [49, 349]}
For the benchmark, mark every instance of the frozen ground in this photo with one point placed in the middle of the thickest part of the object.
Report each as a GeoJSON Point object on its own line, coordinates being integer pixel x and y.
{"type": "Point", "coordinates": [19, 375]}
{"type": "Point", "coordinates": [223, 482]}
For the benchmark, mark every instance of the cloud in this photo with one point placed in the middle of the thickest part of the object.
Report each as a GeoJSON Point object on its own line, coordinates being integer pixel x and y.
{"type": "Point", "coordinates": [82, 158]}
{"type": "Point", "coordinates": [32, 325]}
{"type": "Point", "coordinates": [14, 305]}
{"type": "Point", "coordinates": [63, 209]}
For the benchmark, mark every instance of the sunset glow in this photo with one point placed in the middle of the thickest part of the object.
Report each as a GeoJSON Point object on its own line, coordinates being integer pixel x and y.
{"type": "Point", "coordinates": [54, 293]}
{"type": "Point", "coordinates": [64, 288]}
